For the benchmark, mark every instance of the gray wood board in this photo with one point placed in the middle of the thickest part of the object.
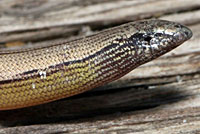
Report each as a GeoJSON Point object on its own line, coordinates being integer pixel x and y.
{"type": "Point", "coordinates": [162, 96]}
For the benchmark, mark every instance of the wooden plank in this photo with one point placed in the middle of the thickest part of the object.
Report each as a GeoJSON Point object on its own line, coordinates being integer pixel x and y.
{"type": "Point", "coordinates": [48, 14]}
{"type": "Point", "coordinates": [17, 21]}
{"type": "Point", "coordinates": [173, 103]}
{"type": "Point", "coordinates": [161, 96]}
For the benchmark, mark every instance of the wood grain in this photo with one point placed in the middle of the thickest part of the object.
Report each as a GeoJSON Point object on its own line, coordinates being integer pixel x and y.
{"type": "Point", "coordinates": [28, 21]}
{"type": "Point", "coordinates": [162, 96]}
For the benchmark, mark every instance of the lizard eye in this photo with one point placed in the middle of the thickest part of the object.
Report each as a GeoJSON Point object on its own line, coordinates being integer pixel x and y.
{"type": "Point", "coordinates": [147, 38]}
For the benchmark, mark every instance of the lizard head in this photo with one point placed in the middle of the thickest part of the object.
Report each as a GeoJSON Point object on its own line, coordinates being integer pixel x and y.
{"type": "Point", "coordinates": [152, 38]}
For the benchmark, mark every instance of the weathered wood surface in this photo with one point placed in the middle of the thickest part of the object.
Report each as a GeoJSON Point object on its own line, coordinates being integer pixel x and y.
{"type": "Point", "coordinates": [162, 96]}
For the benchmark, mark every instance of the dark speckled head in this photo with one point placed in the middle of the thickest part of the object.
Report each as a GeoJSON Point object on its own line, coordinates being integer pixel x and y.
{"type": "Point", "coordinates": [156, 37]}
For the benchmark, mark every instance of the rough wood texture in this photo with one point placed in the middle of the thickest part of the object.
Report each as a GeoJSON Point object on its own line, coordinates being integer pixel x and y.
{"type": "Point", "coordinates": [162, 96]}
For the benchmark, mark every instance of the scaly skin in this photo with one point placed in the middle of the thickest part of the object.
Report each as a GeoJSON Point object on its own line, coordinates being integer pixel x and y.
{"type": "Point", "coordinates": [38, 75]}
